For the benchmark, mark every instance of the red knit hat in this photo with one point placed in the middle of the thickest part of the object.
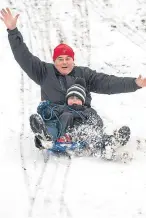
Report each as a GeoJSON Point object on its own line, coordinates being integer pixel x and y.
{"type": "Point", "coordinates": [63, 49]}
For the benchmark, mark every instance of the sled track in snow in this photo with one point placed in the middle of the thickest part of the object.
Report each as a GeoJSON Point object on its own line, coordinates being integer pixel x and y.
{"type": "Point", "coordinates": [63, 205]}
{"type": "Point", "coordinates": [130, 33]}
{"type": "Point", "coordinates": [58, 181]}
{"type": "Point", "coordinates": [81, 39]}
{"type": "Point", "coordinates": [22, 133]}
{"type": "Point", "coordinates": [23, 159]}
{"type": "Point", "coordinates": [44, 173]}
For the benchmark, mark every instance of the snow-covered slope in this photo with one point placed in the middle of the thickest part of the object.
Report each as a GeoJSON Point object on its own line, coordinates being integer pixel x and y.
{"type": "Point", "coordinates": [108, 36]}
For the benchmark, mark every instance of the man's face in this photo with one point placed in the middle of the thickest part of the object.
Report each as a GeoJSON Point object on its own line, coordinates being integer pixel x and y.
{"type": "Point", "coordinates": [64, 64]}
{"type": "Point", "coordinates": [74, 100]}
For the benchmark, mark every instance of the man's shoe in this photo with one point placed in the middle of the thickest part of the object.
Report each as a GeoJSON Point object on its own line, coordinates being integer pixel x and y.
{"type": "Point", "coordinates": [122, 136]}
{"type": "Point", "coordinates": [39, 128]}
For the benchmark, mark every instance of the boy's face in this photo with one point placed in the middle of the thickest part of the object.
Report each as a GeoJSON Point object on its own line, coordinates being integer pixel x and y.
{"type": "Point", "coordinates": [74, 100]}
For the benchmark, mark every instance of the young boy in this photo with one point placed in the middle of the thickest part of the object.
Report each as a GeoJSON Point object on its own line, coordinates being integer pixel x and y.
{"type": "Point", "coordinates": [54, 120]}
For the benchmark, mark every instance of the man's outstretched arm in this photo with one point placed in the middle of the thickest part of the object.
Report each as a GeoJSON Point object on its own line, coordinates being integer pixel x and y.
{"type": "Point", "coordinates": [110, 84]}
{"type": "Point", "coordinates": [32, 65]}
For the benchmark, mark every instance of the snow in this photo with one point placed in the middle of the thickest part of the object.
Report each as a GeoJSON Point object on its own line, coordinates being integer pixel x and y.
{"type": "Point", "coordinates": [108, 36]}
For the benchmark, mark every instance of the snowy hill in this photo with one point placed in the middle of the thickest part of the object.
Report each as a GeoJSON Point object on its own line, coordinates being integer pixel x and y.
{"type": "Point", "coordinates": [108, 36]}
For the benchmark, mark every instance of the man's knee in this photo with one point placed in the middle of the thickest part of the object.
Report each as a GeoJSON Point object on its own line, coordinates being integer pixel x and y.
{"type": "Point", "coordinates": [95, 121]}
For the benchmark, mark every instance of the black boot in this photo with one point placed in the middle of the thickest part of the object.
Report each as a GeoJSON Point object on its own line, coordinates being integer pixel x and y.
{"type": "Point", "coordinates": [122, 136]}
{"type": "Point", "coordinates": [39, 128]}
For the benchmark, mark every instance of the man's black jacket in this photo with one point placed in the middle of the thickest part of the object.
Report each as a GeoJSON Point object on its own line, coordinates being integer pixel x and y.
{"type": "Point", "coordinates": [54, 85]}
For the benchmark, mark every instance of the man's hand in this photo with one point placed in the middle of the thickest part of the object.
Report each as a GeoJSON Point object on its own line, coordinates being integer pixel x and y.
{"type": "Point", "coordinates": [141, 82]}
{"type": "Point", "coordinates": [8, 19]}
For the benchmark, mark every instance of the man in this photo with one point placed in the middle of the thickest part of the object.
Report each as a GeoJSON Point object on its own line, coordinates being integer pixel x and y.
{"type": "Point", "coordinates": [54, 79]}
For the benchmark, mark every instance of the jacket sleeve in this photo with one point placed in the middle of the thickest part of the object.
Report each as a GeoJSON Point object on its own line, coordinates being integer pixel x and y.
{"type": "Point", "coordinates": [31, 64]}
{"type": "Point", "coordinates": [109, 84]}
{"type": "Point", "coordinates": [49, 111]}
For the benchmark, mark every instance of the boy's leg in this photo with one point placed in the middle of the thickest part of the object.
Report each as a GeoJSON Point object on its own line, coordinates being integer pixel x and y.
{"type": "Point", "coordinates": [52, 128]}
{"type": "Point", "coordinates": [66, 121]}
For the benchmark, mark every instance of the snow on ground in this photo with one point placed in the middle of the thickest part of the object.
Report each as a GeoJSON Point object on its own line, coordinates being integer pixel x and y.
{"type": "Point", "coordinates": [108, 36]}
